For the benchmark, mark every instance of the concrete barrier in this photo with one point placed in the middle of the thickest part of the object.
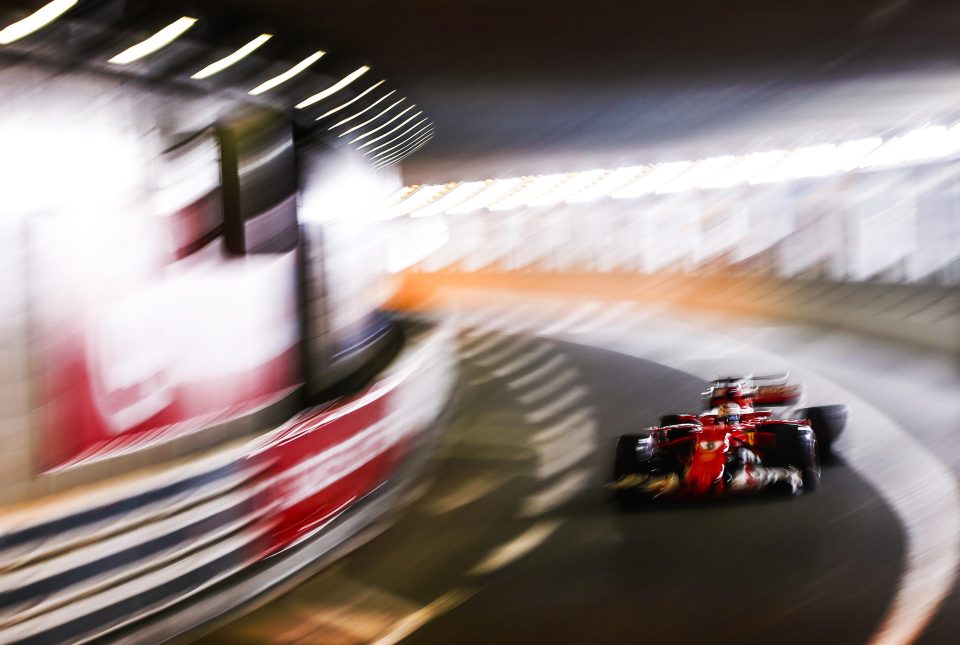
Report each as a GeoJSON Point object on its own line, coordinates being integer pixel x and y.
{"type": "Point", "coordinates": [120, 557]}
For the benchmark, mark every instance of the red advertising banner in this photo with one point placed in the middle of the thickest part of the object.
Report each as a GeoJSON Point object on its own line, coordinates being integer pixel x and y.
{"type": "Point", "coordinates": [130, 348]}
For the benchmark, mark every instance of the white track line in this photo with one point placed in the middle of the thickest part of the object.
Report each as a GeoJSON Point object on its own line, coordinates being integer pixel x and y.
{"type": "Point", "coordinates": [579, 314]}
{"type": "Point", "coordinates": [536, 375]}
{"type": "Point", "coordinates": [574, 421]}
{"type": "Point", "coordinates": [409, 624]}
{"type": "Point", "coordinates": [556, 494]}
{"type": "Point", "coordinates": [489, 342]}
{"type": "Point", "coordinates": [562, 380]}
{"type": "Point", "coordinates": [466, 494]}
{"type": "Point", "coordinates": [516, 548]}
{"type": "Point", "coordinates": [554, 458]}
{"type": "Point", "coordinates": [524, 361]}
{"type": "Point", "coordinates": [508, 349]}
{"type": "Point", "coordinates": [572, 397]}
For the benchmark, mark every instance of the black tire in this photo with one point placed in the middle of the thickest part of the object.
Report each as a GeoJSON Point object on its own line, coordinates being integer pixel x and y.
{"type": "Point", "coordinates": [795, 446]}
{"type": "Point", "coordinates": [828, 422]}
{"type": "Point", "coordinates": [626, 461]}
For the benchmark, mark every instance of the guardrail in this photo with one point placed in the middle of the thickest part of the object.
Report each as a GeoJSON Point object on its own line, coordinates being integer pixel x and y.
{"type": "Point", "coordinates": [106, 558]}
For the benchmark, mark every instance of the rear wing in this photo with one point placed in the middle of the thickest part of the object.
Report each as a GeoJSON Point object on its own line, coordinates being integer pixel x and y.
{"type": "Point", "coordinates": [766, 389]}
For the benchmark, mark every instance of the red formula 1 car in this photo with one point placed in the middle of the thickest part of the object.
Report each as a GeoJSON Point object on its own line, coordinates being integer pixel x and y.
{"type": "Point", "coordinates": [731, 448]}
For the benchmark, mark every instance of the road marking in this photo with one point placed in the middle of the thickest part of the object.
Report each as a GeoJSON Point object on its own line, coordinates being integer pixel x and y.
{"type": "Point", "coordinates": [509, 348]}
{"type": "Point", "coordinates": [539, 373]}
{"type": "Point", "coordinates": [409, 624]}
{"type": "Point", "coordinates": [563, 379]}
{"type": "Point", "coordinates": [575, 318]}
{"type": "Point", "coordinates": [466, 494]}
{"type": "Point", "coordinates": [577, 419]}
{"type": "Point", "coordinates": [524, 361]}
{"type": "Point", "coordinates": [516, 548]}
{"type": "Point", "coordinates": [573, 396]}
{"type": "Point", "coordinates": [555, 495]}
{"type": "Point", "coordinates": [613, 313]}
{"type": "Point", "coordinates": [558, 456]}
{"type": "Point", "coordinates": [484, 345]}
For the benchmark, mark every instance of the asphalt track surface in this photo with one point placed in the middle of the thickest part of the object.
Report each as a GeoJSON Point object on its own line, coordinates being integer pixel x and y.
{"type": "Point", "coordinates": [513, 538]}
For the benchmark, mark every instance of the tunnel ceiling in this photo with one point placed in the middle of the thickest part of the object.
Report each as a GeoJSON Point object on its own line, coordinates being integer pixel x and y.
{"type": "Point", "coordinates": [547, 85]}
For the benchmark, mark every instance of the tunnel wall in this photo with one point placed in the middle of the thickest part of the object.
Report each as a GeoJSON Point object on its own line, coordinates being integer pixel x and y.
{"type": "Point", "coordinates": [152, 372]}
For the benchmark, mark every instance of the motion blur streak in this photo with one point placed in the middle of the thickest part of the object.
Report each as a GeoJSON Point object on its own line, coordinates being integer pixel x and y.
{"type": "Point", "coordinates": [232, 59]}
{"type": "Point", "coordinates": [287, 75]}
{"type": "Point", "coordinates": [155, 42]}
{"type": "Point", "coordinates": [37, 20]}
{"type": "Point", "coordinates": [333, 89]}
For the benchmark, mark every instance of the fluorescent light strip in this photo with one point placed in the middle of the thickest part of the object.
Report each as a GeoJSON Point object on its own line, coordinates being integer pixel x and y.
{"type": "Point", "coordinates": [569, 188]}
{"type": "Point", "coordinates": [155, 42]}
{"type": "Point", "coordinates": [333, 89]}
{"type": "Point", "coordinates": [651, 181]}
{"type": "Point", "coordinates": [399, 137]}
{"type": "Point", "coordinates": [287, 75]}
{"type": "Point", "coordinates": [406, 139]}
{"type": "Point", "coordinates": [388, 133]}
{"type": "Point", "coordinates": [36, 20]}
{"type": "Point", "coordinates": [351, 101]}
{"type": "Point", "coordinates": [369, 107]}
{"type": "Point", "coordinates": [497, 189]}
{"type": "Point", "coordinates": [535, 188]}
{"type": "Point", "coordinates": [373, 118]}
{"type": "Point", "coordinates": [235, 57]}
{"type": "Point", "coordinates": [407, 154]}
{"type": "Point", "coordinates": [744, 169]}
{"type": "Point", "coordinates": [385, 123]}
{"type": "Point", "coordinates": [698, 173]}
{"type": "Point", "coordinates": [403, 151]}
{"type": "Point", "coordinates": [612, 181]}
{"type": "Point", "coordinates": [418, 199]}
{"type": "Point", "coordinates": [463, 191]}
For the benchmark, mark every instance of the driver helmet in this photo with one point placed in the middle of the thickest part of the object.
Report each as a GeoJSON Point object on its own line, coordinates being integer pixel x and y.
{"type": "Point", "coordinates": [729, 413]}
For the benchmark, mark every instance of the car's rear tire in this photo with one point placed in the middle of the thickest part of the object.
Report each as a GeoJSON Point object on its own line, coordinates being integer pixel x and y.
{"type": "Point", "coordinates": [795, 446]}
{"type": "Point", "coordinates": [626, 461]}
{"type": "Point", "coordinates": [827, 421]}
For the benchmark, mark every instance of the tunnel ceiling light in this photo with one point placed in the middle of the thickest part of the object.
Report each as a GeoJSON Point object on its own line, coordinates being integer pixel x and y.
{"type": "Point", "coordinates": [649, 182]}
{"type": "Point", "coordinates": [403, 155]}
{"type": "Point", "coordinates": [531, 190]}
{"type": "Point", "coordinates": [333, 89]}
{"type": "Point", "coordinates": [406, 148]}
{"type": "Point", "coordinates": [366, 109]}
{"type": "Point", "coordinates": [575, 182]}
{"type": "Point", "coordinates": [388, 132]}
{"type": "Point", "coordinates": [462, 192]}
{"type": "Point", "coordinates": [417, 128]}
{"type": "Point", "coordinates": [696, 174]}
{"type": "Point", "coordinates": [919, 145]}
{"type": "Point", "coordinates": [351, 101]}
{"type": "Point", "coordinates": [613, 180]}
{"type": "Point", "coordinates": [418, 198]}
{"type": "Point", "coordinates": [287, 75]}
{"type": "Point", "coordinates": [744, 169]}
{"type": "Point", "coordinates": [373, 118]}
{"type": "Point", "coordinates": [36, 20]}
{"type": "Point", "coordinates": [406, 154]}
{"type": "Point", "coordinates": [495, 190]}
{"type": "Point", "coordinates": [235, 57]}
{"type": "Point", "coordinates": [155, 42]}
{"type": "Point", "coordinates": [385, 123]}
